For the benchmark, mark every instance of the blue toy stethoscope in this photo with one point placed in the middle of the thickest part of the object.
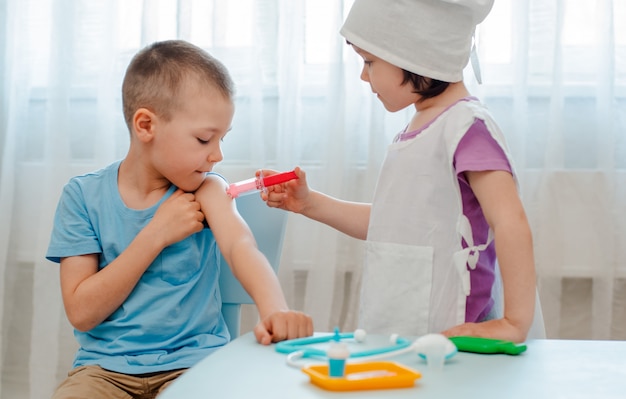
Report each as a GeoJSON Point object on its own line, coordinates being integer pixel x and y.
{"type": "Point", "coordinates": [424, 346]}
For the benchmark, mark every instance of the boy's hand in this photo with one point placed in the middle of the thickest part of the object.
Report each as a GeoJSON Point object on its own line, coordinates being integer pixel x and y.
{"type": "Point", "coordinates": [283, 325]}
{"type": "Point", "coordinates": [178, 217]}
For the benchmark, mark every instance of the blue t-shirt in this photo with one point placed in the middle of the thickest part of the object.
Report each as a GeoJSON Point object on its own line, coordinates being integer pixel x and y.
{"type": "Point", "coordinates": [172, 318]}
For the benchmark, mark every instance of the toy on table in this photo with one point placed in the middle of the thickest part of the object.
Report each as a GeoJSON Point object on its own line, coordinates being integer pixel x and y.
{"type": "Point", "coordinates": [337, 354]}
{"type": "Point", "coordinates": [366, 375]}
{"type": "Point", "coordinates": [360, 370]}
{"type": "Point", "coordinates": [435, 349]}
{"type": "Point", "coordinates": [302, 347]}
{"type": "Point", "coordinates": [256, 184]}
{"type": "Point", "coordinates": [487, 345]}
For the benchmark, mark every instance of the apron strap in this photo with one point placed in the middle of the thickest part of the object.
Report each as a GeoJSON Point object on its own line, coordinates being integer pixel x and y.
{"type": "Point", "coordinates": [468, 256]}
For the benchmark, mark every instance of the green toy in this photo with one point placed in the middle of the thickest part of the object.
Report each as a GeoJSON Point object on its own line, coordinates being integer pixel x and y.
{"type": "Point", "coordinates": [487, 345]}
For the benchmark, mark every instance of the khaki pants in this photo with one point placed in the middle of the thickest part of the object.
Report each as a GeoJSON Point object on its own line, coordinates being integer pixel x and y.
{"type": "Point", "coordinates": [94, 382]}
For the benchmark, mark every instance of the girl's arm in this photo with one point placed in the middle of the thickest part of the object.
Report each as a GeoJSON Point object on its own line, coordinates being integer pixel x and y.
{"type": "Point", "coordinates": [351, 218]}
{"type": "Point", "coordinates": [499, 199]}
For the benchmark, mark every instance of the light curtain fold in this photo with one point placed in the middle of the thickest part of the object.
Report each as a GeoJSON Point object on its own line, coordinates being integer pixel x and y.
{"type": "Point", "coordinates": [554, 76]}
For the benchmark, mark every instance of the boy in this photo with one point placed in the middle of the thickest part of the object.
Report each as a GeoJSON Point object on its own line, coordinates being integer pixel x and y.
{"type": "Point", "coordinates": [139, 269]}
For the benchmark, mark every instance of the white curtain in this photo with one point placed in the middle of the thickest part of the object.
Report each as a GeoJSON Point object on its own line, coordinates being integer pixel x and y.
{"type": "Point", "coordinates": [554, 75]}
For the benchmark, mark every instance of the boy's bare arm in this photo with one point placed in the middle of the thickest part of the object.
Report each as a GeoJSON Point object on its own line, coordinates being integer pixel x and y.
{"type": "Point", "coordinates": [249, 265]}
{"type": "Point", "coordinates": [105, 290]}
{"type": "Point", "coordinates": [502, 207]}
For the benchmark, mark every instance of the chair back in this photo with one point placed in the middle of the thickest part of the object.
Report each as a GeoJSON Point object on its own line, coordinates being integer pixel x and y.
{"type": "Point", "coordinates": [268, 227]}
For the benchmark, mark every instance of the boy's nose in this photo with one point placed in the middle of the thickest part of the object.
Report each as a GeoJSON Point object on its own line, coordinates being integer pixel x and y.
{"type": "Point", "coordinates": [216, 155]}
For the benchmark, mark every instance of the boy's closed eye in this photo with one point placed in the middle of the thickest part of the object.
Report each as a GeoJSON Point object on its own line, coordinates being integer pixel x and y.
{"type": "Point", "coordinates": [208, 140]}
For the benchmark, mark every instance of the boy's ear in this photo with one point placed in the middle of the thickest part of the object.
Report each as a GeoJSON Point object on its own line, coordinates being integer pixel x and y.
{"type": "Point", "coordinates": [144, 122]}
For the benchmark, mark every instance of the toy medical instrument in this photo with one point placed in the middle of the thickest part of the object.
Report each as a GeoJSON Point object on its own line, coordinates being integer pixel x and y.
{"type": "Point", "coordinates": [487, 345]}
{"type": "Point", "coordinates": [337, 354]}
{"type": "Point", "coordinates": [259, 183]}
{"type": "Point", "coordinates": [367, 375]}
{"type": "Point", "coordinates": [356, 370]}
{"type": "Point", "coordinates": [431, 347]}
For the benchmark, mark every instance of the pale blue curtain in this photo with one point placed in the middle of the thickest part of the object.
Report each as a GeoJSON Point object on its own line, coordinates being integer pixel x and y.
{"type": "Point", "coordinates": [554, 75]}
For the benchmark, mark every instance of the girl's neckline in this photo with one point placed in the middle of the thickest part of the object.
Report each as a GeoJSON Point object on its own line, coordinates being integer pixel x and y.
{"type": "Point", "coordinates": [404, 135]}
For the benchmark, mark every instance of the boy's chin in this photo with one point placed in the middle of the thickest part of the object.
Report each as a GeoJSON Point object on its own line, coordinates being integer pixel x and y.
{"type": "Point", "coordinates": [189, 187]}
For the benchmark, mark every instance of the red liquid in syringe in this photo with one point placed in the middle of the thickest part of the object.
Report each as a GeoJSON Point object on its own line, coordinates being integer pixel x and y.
{"type": "Point", "coordinates": [257, 184]}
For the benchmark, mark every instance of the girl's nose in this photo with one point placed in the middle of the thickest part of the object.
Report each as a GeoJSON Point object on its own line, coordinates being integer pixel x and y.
{"type": "Point", "coordinates": [364, 75]}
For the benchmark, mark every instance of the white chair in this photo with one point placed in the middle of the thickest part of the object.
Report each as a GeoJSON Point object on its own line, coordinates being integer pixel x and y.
{"type": "Point", "coordinates": [268, 226]}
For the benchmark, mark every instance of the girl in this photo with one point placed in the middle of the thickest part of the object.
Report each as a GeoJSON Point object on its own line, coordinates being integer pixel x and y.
{"type": "Point", "coordinates": [446, 210]}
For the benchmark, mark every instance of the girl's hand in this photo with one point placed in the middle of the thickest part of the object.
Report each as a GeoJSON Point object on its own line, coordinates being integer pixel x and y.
{"type": "Point", "coordinates": [291, 196]}
{"type": "Point", "coordinates": [496, 329]}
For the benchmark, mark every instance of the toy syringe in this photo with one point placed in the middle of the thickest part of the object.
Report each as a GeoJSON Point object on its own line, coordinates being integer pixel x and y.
{"type": "Point", "coordinates": [259, 183]}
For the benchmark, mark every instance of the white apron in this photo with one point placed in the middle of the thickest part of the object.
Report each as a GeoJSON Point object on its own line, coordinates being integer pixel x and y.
{"type": "Point", "coordinates": [416, 277]}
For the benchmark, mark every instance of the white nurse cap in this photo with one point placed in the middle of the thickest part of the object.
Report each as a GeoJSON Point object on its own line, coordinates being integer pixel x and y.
{"type": "Point", "coordinates": [431, 38]}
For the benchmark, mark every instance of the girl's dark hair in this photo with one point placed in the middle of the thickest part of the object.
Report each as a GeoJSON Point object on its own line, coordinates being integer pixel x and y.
{"type": "Point", "coordinates": [425, 87]}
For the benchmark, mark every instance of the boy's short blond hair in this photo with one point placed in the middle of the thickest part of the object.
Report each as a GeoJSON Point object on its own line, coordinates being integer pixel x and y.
{"type": "Point", "coordinates": [156, 74]}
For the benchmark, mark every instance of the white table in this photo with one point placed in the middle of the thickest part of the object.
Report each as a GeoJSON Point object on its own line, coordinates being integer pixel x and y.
{"type": "Point", "coordinates": [548, 369]}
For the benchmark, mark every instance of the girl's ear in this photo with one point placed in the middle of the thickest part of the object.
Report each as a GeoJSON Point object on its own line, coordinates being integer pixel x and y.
{"type": "Point", "coordinates": [144, 122]}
